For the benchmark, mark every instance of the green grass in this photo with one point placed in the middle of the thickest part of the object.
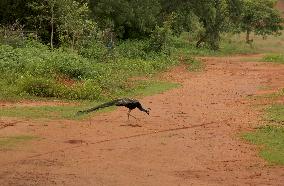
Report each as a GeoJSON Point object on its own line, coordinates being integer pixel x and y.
{"type": "Point", "coordinates": [143, 88]}
{"type": "Point", "coordinates": [271, 141]}
{"type": "Point", "coordinates": [47, 112]}
{"type": "Point", "coordinates": [271, 137]}
{"type": "Point", "coordinates": [193, 65]}
{"type": "Point", "coordinates": [13, 141]}
{"type": "Point", "coordinates": [275, 58]}
{"type": "Point", "coordinates": [275, 113]}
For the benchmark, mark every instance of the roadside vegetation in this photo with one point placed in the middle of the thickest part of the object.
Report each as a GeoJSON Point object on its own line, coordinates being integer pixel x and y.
{"type": "Point", "coordinates": [270, 137]}
{"type": "Point", "coordinates": [276, 58]}
{"type": "Point", "coordinates": [76, 50]}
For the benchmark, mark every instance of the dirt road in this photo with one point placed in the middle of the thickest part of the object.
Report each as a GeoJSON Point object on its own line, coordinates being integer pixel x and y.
{"type": "Point", "coordinates": [192, 136]}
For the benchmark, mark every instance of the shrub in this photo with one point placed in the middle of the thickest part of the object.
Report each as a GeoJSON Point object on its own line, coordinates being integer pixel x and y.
{"type": "Point", "coordinates": [35, 70]}
{"type": "Point", "coordinates": [37, 86]}
{"type": "Point", "coordinates": [132, 49]}
{"type": "Point", "coordinates": [94, 50]}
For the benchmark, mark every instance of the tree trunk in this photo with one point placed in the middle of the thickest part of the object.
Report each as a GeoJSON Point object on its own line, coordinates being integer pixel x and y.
{"type": "Point", "coordinates": [247, 36]}
{"type": "Point", "coordinates": [201, 40]}
{"type": "Point", "coordinates": [52, 25]}
{"type": "Point", "coordinates": [73, 42]}
{"type": "Point", "coordinates": [248, 40]}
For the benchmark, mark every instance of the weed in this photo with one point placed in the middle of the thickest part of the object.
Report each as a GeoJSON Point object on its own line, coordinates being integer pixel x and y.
{"type": "Point", "coordinates": [276, 58]}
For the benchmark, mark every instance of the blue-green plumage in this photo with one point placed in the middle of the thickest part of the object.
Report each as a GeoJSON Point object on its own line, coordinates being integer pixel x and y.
{"type": "Point", "coordinates": [126, 102]}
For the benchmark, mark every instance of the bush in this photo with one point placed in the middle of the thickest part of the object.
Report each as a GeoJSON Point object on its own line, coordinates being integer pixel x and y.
{"type": "Point", "coordinates": [38, 86]}
{"type": "Point", "coordinates": [94, 50]}
{"type": "Point", "coordinates": [35, 70]}
{"type": "Point", "coordinates": [132, 49]}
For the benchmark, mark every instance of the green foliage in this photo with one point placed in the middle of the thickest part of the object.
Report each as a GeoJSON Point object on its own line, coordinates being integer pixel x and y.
{"type": "Point", "coordinates": [260, 17]}
{"type": "Point", "coordinates": [38, 86]}
{"type": "Point", "coordinates": [73, 22]}
{"type": "Point", "coordinates": [133, 49]}
{"type": "Point", "coordinates": [215, 17]}
{"type": "Point", "coordinates": [37, 71]}
{"type": "Point", "coordinates": [127, 18]}
{"type": "Point", "coordinates": [277, 58]}
{"type": "Point", "coordinates": [93, 49]}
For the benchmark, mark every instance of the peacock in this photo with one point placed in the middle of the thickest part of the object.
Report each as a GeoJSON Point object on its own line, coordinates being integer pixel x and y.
{"type": "Point", "coordinates": [126, 102]}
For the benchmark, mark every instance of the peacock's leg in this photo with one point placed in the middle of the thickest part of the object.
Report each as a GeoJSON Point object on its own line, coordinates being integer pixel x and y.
{"type": "Point", "coordinates": [128, 114]}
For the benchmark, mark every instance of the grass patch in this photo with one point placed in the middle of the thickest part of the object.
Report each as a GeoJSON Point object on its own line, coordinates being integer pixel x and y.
{"type": "Point", "coordinates": [143, 88]}
{"type": "Point", "coordinates": [194, 65]}
{"type": "Point", "coordinates": [12, 141]}
{"type": "Point", "coordinates": [47, 112]}
{"type": "Point", "coordinates": [275, 58]}
{"type": "Point", "coordinates": [271, 139]}
{"type": "Point", "coordinates": [275, 113]}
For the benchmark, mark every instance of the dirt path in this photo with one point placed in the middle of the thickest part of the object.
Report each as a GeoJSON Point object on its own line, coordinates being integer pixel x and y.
{"type": "Point", "coordinates": [190, 138]}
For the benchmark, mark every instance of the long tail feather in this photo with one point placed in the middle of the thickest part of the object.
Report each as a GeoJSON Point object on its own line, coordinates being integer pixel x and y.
{"type": "Point", "coordinates": [108, 104]}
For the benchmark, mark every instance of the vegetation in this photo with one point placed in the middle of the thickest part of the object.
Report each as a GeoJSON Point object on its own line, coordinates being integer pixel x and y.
{"type": "Point", "coordinates": [44, 112]}
{"type": "Point", "coordinates": [260, 17]}
{"type": "Point", "coordinates": [140, 88]}
{"type": "Point", "coordinates": [271, 136]}
{"type": "Point", "coordinates": [275, 113]}
{"type": "Point", "coordinates": [80, 49]}
{"type": "Point", "coordinates": [37, 71]}
{"type": "Point", "coordinates": [271, 139]}
{"type": "Point", "coordinates": [277, 58]}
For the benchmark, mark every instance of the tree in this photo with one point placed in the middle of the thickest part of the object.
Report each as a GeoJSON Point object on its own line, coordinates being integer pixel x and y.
{"type": "Point", "coordinates": [73, 21]}
{"type": "Point", "coordinates": [260, 17]}
{"type": "Point", "coordinates": [127, 18]}
{"type": "Point", "coordinates": [10, 11]}
{"type": "Point", "coordinates": [43, 12]}
{"type": "Point", "coordinates": [215, 17]}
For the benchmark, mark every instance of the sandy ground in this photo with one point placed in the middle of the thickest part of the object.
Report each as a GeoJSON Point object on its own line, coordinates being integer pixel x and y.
{"type": "Point", "coordinates": [192, 136]}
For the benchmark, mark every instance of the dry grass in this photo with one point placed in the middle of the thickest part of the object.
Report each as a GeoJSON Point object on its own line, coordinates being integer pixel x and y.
{"type": "Point", "coordinates": [270, 44]}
